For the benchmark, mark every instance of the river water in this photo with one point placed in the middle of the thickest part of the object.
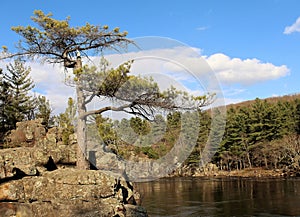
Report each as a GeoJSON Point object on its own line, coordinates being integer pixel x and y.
{"type": "Point", "coordinates": [194, 197]}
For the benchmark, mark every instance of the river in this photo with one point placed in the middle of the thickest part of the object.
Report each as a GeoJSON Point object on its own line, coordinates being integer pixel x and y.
{"type": "Point", "coordinates": [194, 197]}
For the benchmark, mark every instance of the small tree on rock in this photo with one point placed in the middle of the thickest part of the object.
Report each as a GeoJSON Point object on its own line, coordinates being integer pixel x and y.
{"type": "Point", "coordinates": [43, 110]}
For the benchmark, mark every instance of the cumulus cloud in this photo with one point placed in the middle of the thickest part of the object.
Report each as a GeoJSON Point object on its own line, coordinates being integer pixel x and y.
{"type": "Point", "coordinates": [185, 63]}
{"type": "Point", "coordinates": [244, 71]}
{"type": "Point", "coordinates": [49, 81]}
{"type": "Point", "coordinates": [295, 27]}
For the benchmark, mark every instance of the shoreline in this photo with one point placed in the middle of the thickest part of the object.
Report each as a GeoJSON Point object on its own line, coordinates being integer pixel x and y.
{"type": "Point", "coordinates": [244, 173]}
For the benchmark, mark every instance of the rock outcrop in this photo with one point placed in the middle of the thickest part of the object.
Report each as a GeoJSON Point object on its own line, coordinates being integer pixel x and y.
{"type": "Point", "coordinates": [26, 133]}
{"type": "Point", "coordinates": [69, 192]}
{"type": "Point", "coordinates": [43, 152]}
{"type": "Point", "coordinates": [38, 178]}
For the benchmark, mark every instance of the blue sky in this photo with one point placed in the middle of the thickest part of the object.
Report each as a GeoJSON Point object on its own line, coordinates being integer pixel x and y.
{"type": "Point", "coordinates": [253, 46]}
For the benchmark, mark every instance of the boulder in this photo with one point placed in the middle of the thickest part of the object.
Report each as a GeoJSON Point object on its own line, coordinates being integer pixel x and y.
{"type": "Point", "coordinates": [26, 133]}
{"type": "Point", "coordinates": [31, 160]}
{"type": "Point", "coordinates": [69, 192]}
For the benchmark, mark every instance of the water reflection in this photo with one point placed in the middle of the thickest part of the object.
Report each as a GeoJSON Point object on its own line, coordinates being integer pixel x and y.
{"type": "Point", "coordinates": [221, 197]}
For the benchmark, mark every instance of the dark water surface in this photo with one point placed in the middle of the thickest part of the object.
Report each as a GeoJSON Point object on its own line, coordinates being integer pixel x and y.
{"type": "Point", "coordinates": [193, 197]}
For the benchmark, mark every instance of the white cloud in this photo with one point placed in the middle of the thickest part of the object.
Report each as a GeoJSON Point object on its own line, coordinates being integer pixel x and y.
{"type": "Point", "coordinates": [244, 71]}
{"type": "Point", "coordinates": [184, 63]}
{"type": "Point", "coordinates": [229, 101]}
{"type": "Point", "coordinates": [202, 28]}
{"type": "Point", "coordinates": [233, 91]}
{"type": "Point", "coordinates": [295, 27]}
{"type": "Point", "coordinates": [49, 81]}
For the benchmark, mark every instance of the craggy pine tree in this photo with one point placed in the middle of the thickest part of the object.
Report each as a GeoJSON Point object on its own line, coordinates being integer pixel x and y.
{"type": "Point", "coordinates": [55, 41]}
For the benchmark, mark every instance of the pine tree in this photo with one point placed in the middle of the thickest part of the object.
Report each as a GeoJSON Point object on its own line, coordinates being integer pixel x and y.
{"type": "Point", "coordinates": [204, 130]}
{"type": "Point", "coordinates": [17, 84]}
{"type": "Point", "coordinates": [43, 109]}
{"type": "Point", "coordinates": [5, 99]}
{"type": "Point", "coordinates": [106, 132]}
{"type": "Point", "coordinates": [297, 117]}
{"type": "Point", "coordinates": [66, 120]}
{"type": "Point", "coordinates": [236, 144]}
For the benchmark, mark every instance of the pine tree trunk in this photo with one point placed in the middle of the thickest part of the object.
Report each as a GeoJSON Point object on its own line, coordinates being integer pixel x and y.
{"type": "Point", "coordinates": [249, 160]}
{"type": "Point", "coordinates": [82, 162]}
{"type": "Point", "coordinates": [266, 162]}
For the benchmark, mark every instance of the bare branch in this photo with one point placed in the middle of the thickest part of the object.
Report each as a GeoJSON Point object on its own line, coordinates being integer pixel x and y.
{"type": "Point", "coordinates": [90, 99]}
{"type": "Point", "coordinates": [104, 109]}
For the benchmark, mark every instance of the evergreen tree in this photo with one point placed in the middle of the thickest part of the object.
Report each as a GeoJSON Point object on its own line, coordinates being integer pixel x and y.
{"type": "Point", "coordinates": [66, 120]}
{"type": "Point", "coordinates": [106, 132]}
{"type": "Point", "coordinates": [5, 100]}
{"type": "Point", "coordinates": [125, 132]}
{"type": "Point", "coordinates": [285, 117]}
{"type": "Point", "coordinates": [204, 129]}
{"type": "Point", "coordinates": [139, 125]}
{"type": "Point", "coordinates": [254, 133]}
{"type": "Point", "coordinates": [43, 110]}
{"type": "Point", "coordinates": [16, 84]}
{"type": "Point", "coordinates": [297, 117]}
{"type": "Point", "coordinates": [264, 122]}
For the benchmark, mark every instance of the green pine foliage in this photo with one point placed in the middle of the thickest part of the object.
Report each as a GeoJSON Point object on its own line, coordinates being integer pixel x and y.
{"type": "Point", "coordinates": [66, 121]}
{"type": "Point", "coordinates": [43, 110]}
{"type": "Point", "coordinates": [107, 132]}
{"type": "Point", "coordinates": [16, 103]}
{"type": "Point", "coordinates": [5, 99]}
{"type": "Point", "coordinates": [203, 134]}
{"type": "Point", "coordinates": [258, 134]}
{"type": "Point", "coordinates": [297, 117]}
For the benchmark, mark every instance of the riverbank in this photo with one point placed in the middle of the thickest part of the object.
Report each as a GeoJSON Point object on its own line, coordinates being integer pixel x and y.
{"type": "Point", "coordinates": [212, 171]}
{"type": "Point", "coordinates": [249, 172]}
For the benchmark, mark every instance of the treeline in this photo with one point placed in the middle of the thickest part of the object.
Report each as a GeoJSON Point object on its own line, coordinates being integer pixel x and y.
{"type": "Point", "coordinates": [17, 101]}
{"type": "Point", "coordinates": [264, 133]}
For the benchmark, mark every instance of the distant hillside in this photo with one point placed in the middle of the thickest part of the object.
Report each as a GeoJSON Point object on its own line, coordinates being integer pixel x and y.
{"type": "Point", "coordinates": [285, 98]}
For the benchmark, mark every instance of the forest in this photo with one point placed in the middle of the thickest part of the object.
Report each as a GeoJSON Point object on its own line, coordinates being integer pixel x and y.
{"type": "Point", "coordinates": [261, 133]}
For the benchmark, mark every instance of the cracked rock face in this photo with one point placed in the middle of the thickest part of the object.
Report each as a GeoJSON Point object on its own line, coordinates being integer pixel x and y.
{"type": "Point", "coordinates": [69, 192]}
{"type": "Point", "coordinates": [32, 185]}
{"type": "Point", "coordinates": [31, 155]}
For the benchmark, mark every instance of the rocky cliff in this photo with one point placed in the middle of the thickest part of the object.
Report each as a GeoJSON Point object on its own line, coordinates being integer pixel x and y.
{"type": "Point", "coordinates": [38, 178]}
